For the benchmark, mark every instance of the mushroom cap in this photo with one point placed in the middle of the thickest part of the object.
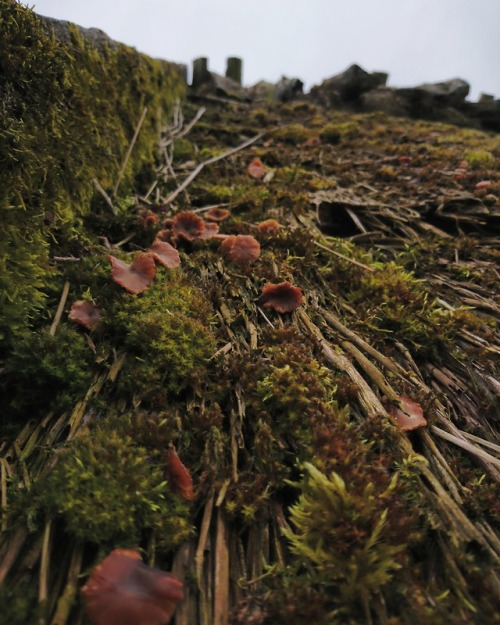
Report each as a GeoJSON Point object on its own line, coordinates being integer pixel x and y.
{"type": "Point", "coordinates": [188, 225]}
{"type": "Point", "coordinates": [122, 590]}
{"type": "Point", "coordinates": [136, 277]}
{"type": "Point", "coordinates": [242, 249]}
{"type": "Point", "coordinates": [270, 226]}
{"type": "Point", "coordinates": [409, 416]}
{"type": "Point", "coordinates": [256, 169]}
{"type": "Point", "coordinates": [164, 254]}
{"type": "Point", "coordinates": [211, 231]}
{"type": "Point", "coordinates": [217, 214]}
{"type": "Point", "coordinates": [283, 297]}
{"type": "Point", "coordinates": [178, 476]}
{"type": "Point", "coordinates": [85, 313]}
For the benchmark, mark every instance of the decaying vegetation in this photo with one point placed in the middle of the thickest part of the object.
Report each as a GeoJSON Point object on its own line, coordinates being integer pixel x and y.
{"type": "Point", "coordinates": [311, 504]}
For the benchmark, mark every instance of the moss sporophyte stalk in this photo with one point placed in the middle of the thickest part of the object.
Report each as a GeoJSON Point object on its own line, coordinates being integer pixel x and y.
{"type": "Point", "coordinates": [252, 450]}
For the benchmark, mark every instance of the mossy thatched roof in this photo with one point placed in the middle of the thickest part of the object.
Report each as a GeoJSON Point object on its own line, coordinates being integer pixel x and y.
{"type": "Point", "coordinates": [312, 505]}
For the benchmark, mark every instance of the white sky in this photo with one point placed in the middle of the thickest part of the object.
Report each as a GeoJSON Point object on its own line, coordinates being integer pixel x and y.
{"type": "Point", "coordinates": [415, 41]}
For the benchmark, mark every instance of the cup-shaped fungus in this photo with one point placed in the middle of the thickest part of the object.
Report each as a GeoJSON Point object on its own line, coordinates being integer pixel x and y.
{"type": "Point", "coordinates": [187, 225]}
{"type": "Point", "coordinates": [211, 231]}
{"type": "Point", "coordinates": [269, 227]}
{"type": "Point", "coordinates": [135, 278]}
{"type": "Point", "coordinates": [242, 249]}
{"type": "Point", "coordinates": [164, 254]}
{"type": "Point", "coordinates": [256, 169]}
{"type": "Point", "coordinates": [84, 313]}
{"type": "Point", "coordinates": [283, 297]}
{"type": "Point", "coordinates": [217, 214]}
{"type": "Point", "coordinates": [178, 476]}
{"type": "Point", "coordinates": [122, 590]}
{"type": "Point", "coordinates": [409, 416]}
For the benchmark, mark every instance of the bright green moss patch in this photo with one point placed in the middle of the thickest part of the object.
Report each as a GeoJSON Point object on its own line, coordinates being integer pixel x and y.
{"type": "Point", "coordinates": [67, 115]}
{"type": "Point", "coordinates": [109, 490]}
{"type": "Point", "coordinates": [166, 334]}
{"type": "Point", "coordinates": [480, 159]}
{"type": "Point", "coordinates": [340, 536]}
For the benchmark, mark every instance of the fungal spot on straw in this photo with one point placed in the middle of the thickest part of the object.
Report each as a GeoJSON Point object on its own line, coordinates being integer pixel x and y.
{"type": "Point", "coordinates": [135, 278]}
{"type": "Point", "coordinates": [122, 590]}
{"type": "Point", "coordinates": [409, 417]}
{"type": "Point", "coordinates": [283, 297]}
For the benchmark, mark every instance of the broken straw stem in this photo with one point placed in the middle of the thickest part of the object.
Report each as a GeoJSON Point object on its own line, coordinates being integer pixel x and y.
{"type": "Point", "coordinates": [130, 148]}
{"type": "Point", "coordinates": [209, 161]}
{"type": "Point", "coordinates": [60, 309]}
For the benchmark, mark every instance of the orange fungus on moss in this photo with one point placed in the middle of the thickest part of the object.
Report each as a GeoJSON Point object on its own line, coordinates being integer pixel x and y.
{"type": "Point", "coordinates": [135, 278]}
{"type": "Point", "coordinates": [164, 254]}
{"type": "Point", "coordinates": [122, 590]}
{"type": "Point", "coordinates": [178, 476]}
{"type": "Point", "coordinates": [84, 313]}
{"type": "Point", "coordinates": [283, 297]}
{"type": "Point", "coordinates": [242, 249]}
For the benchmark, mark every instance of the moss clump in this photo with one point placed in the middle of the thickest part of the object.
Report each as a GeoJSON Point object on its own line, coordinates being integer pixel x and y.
{"type": "Point", "coordinates": [46, 371]}
{"type": "Point", "coordinates": [480, 159]}
{"type": "Point", "coordinates": [76, 105]}
{"type": "Point", "coordinates": [339, 536]}
{"type": "Point", "coordinates": [18, 605]}
{"type": "Point", "coordinates": [166, 333]}
{"type": "Point", "coordinates": [109, 490]}
{"type": "Point", "coordinates": [293, 133]}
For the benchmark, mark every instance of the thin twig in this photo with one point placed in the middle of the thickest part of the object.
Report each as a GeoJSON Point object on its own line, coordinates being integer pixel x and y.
{"type": "Point", "coordinates": [130, 148]}
{"type": "Point", "coordinates": [106, 197]}
{"type": "Point", "coordinates": [182, 133]}
{"type": "Point", "coordinates": [209, 161]}
{"type": "Point", "coordinates": [60, 309]}
{"type": "Point", "coordinates": [349, 260]}
{"type": "Point", "coordinates": [464, 444]}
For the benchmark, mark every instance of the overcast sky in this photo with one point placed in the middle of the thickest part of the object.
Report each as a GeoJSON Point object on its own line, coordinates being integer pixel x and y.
{"type": "Point", "coordinates": [415, 41]}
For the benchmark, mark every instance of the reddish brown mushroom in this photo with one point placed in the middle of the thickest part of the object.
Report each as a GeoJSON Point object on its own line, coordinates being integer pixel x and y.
{"type": "Point", "coordinates": [256, 169]}
{"type": "Point", "coordinates": [409, 416]}
{"type": "Point", "coordinates": [283, 297]}
{"type": "Point", "coordinates": [187, 225]}
{"type": "Point", "coordinates": [242, 249]}
{"type": "Point", "coordinates": [164, 254]}
{"type": "Point", "coordinates": [122, 590]}
{"type": "Point", "coordinates": [270, 227]}
{"type": "Point", "coordinates": [217, 214]}
{"type": "Point", "coordinates": [85, 313]}
{"type": "Point", "coordinates": [135, 278]}
{"type": "Point", "coordinates": [178, 476]}
{"type": "Point", "coordinates": [211, 231]}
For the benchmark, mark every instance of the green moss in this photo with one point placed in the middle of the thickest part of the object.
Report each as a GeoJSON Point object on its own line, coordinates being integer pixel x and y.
{"type": "Point", "coordinates": [480, 159]}
{"type": "Point", "coordinates": [19, 605]}
{"type": "Point", "coordinates": [78, 107]}
{"type": "Point", "coordinates": [46, 371]}
{"type": "Point", "coordinates": [109, 490]}
{"type": "Point", "coordinates": [293, 133]}
{"type": "Point", "coordinates": [340, 536]}
{"type": "Point", "coordinates": [166, 333]}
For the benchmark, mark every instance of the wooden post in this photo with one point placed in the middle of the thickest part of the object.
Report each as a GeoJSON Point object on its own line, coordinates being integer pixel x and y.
{"type": "Point", "coordinates": [234, 69]}
{"type": "Point", "coordinates": [200, 72]}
